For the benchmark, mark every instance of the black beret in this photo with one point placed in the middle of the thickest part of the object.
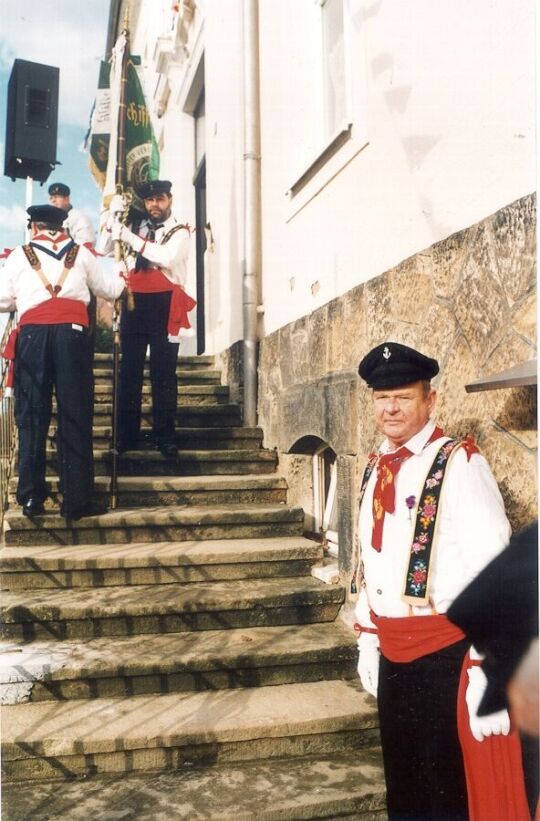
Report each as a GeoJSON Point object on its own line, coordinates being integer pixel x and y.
{"type": "Point", "coordinates": [152, 187]}
{"type": "Point", "coordinates": [392, 365]}
{"type": "Point", "coordinates": [59, 188]}
{"type": "Point", "coordinates": [47, 213]}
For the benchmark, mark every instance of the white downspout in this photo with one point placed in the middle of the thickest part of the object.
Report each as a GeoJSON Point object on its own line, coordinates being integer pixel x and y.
{"type": "Point", "coordinates": [252, 207]}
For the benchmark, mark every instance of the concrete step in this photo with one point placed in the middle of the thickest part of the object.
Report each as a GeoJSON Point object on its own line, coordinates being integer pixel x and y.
{"type": "Point", "coordinates": [189, 394]}
{"type": "Point", "coordinates": [341, 785]}
{"type": "Point", "coordinates": [226, 438]}
{"type": "Point", "coordinates": [104, 360]}
{"type": "Point", "coordinates": [166, 732]}
{"type": "Point", "coordinates": [206, 376]}
{"type": "Point", "coordinates": [176, 662]}
{"type": "Point", "coordinates": [186, 463]}
{"type": "Point", "coordinates": [167, 608]}
{"type": "Point", "coordinates": [155, 491]}
{"type": "Point", "coordinates": [158, 524]}
{"type": "Point", "coordinates": [96, 565]}
{"type": "Point", "coordinates": [187, 414]}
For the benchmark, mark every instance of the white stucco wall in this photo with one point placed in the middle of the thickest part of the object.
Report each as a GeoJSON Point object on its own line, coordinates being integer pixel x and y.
{"type": "Point", "coordinates": [442, 110]}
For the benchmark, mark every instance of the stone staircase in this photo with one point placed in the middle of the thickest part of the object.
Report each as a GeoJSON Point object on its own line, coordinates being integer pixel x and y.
{"type": "Point", "coordinates": [175, 658]}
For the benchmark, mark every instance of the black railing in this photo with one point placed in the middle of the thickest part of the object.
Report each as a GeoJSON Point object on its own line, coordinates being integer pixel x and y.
{"type": "Point", "coordinates": [7, 421]}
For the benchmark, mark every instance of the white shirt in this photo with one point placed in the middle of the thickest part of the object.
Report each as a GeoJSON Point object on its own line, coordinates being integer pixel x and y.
{"type": "Point", "coordinates": [79, 227]}
{"type": "Point", "coordinates": [472, 529]}
{"type": "Point", "coordinates": [21, 288]}
{"type": "Point", "coordinates": [171, 257]}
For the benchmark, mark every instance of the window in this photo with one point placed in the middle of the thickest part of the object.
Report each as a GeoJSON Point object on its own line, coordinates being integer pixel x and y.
{"type": "Point", "coordinates": [333, 66]}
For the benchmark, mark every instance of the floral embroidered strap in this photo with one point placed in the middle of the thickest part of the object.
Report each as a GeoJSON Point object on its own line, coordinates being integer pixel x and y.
{"type": "Point", "coordinates": [417, 579]}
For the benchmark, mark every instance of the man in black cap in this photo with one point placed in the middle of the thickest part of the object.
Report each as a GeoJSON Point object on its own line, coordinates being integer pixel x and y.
{"type": "Point", "coordinates": [77, 224]}
{"type": "Point", "coordinates": [158, 249]}
{"type": "Point", "coordinates": [49, 282]}
{"type": "Point", "coordinates": [431, 517]}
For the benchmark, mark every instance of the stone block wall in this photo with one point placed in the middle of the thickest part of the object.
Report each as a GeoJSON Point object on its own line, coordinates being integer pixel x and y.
{"type": "Point", "coordinates": [469, 301]}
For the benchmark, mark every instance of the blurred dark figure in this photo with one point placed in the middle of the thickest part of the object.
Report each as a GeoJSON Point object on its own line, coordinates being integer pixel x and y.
{"type": "Point", "coordinates": [498, 612]}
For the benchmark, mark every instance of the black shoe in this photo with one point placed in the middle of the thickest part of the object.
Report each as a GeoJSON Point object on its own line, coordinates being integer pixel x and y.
{"type": "Point", "coordinates": [33, 507]}
{"type": "Point", "coordinates": [168, 449]}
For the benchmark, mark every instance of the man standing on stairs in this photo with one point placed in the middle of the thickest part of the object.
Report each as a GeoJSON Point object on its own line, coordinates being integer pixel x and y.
{"type": "Point", "coordinates": [77, 224]}
{"type": "Point", "coordinates": [156, 279]}
{"type": "Point", "coordinates": [431, 518]}
{"type": "Point", "coordinates": [49, 282]}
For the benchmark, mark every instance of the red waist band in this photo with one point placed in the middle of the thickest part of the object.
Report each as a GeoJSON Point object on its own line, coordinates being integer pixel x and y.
{"type": "Point", "coordinates": [56, 311]}
{"type": "Point", "coordinates": [151, 281]}
{"type": "Point", "coordinates": [154, 281]}
{"type": "Point", "coordinates": [412, 637]}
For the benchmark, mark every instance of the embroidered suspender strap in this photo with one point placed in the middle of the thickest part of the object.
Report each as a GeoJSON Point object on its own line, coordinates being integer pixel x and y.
{"type": "Point", "coordinates": [365, 479]}
{"type": "Point", "coordinates": [416, 590]}
{"type": "Point", "coordinates": [172, 231]}
{"type": "Point", "coordinates": [69, 262]}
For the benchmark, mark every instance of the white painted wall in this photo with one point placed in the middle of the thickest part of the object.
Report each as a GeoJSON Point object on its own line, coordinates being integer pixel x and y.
{"type": "Point", "coordinates": [442, 106]}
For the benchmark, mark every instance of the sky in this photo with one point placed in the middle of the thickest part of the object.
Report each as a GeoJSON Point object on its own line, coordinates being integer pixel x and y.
{"type": "Point", "coordinates": [70, 35]}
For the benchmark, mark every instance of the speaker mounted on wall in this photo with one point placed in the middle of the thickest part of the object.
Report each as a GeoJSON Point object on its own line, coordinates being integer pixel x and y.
{"type": "Point", "coordinates": [31, 121]}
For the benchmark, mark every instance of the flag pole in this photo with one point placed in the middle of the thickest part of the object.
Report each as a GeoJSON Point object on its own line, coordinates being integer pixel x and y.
{"type": "Point", "coordinates": [120, 182]}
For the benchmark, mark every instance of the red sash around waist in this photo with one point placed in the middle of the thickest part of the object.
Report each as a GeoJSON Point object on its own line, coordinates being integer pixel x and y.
{"type": "Point", "coordinates": [409, 638]}
{"type": "Point", "coordinates": [154, 281]}
{"type": "Point", "coordinates": [54, 311]}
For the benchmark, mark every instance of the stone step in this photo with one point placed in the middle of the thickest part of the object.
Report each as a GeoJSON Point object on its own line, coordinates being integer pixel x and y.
{"type": "Point", "coordinates": [186, 463]}
{"type": "Point", "coordinates": [155, 491]}
{"type": "Point", "coordinates": [187, 414]}
{"type": "Point", "coordinates": [341, 785]}
{"type": "Point", "coordinates": [104, 360]}
{"type": "Point", "coordinates": [188, 394]}
{"type": "Point", "coordinates": [175, 662]}
{"type": "Point", "coordinates": [206, 376]}
{"type": "Point", "coordinates": [226, 438]}
{"type": "Point", "coordinates": [96, 565]}
{"type": "Point", "coordinates": [170, 731]}
{"type": "Point", "coordinates": [168, 608]}
{"type": "Point", "coordinates": [159, 524]}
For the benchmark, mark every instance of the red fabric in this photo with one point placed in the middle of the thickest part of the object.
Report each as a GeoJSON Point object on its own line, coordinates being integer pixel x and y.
{"type": "Point", "coordinates": [384, 494]}
{"type": "Point", "coordinates": [51, 312]}
{"type": "Point", "coordinates": [493, 768]}
{"type": "Point", "coordinates": [470, 447]}
{"type": "Point", "coordinates": [154, 281]}
{"type": "Point", "coordinates": [411, 637]}
{"type": "Point", "coordinates": [6, 253]}
{"type": "Point", "coordinates": [56, 311]}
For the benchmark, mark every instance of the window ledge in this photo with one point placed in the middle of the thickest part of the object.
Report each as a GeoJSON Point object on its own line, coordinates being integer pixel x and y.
{"type": "Point", "coordinates": [339, 139]}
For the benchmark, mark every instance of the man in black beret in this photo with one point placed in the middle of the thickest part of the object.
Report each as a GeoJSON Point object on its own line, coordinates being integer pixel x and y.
{"type": "Point", "coordinates": [49, 282]}
{"type": "Point", "coordinates": [431, 518]}
{"type": "Point", "coordinates": [157, 254]}
{"type": "Point", "coordinates": [76, 223]}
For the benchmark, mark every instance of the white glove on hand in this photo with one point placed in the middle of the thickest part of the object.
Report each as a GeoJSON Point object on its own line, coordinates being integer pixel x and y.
{"type": "Point", "coordinates": [116, 230]}
{"type": "Point", "coordinates": [484, 726]}
{"type": "Point", "coordinates": [118, 204]}
{"type": "Point", "coordinates": [368, 662]}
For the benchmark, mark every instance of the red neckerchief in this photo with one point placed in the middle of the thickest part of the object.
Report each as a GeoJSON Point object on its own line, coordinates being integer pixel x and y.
{"type": "Point", "coordinates": [384, 495]}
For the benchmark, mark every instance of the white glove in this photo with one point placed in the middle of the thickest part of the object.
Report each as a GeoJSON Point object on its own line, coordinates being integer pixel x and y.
{"type": "Point", "coordinates": [118, 204]}
{"type": "Point", "coordinates": [368, 662]}
{"type": "Point", "coordinates": [484, 726]}
{"type": "Point", "coordinates": [116, 230]}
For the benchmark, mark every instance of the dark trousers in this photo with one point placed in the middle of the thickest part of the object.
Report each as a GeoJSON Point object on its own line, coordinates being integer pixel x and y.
{"type": "Point", "coordinates": [55, 357]}
{"type": "Point", "coordinates": [146, 326]}
{"type": "Point", "coordinates": [423, 764]}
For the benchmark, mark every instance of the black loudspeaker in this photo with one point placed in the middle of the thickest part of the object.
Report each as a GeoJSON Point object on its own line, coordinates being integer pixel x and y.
{"type": "Point", "coordinates": [32, 120]}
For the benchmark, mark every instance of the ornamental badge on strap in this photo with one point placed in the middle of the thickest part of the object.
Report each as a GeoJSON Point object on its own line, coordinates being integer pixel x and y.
{"type": "Point", "coordinates": [417, 578]}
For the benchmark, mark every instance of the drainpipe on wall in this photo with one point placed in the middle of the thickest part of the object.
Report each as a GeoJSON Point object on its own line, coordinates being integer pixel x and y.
{"type": "Point", "coordinates": [252, 207]}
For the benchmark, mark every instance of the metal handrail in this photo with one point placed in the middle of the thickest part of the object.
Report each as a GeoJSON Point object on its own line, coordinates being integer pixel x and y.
{"type": "Point", "coordinates": [7, 420]}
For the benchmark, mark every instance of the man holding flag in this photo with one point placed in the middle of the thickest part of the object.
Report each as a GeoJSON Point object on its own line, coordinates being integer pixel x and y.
{"type": "Point", "coordinates": [125, 163]}
{"type": "Point", "coordinates": [156, 262]}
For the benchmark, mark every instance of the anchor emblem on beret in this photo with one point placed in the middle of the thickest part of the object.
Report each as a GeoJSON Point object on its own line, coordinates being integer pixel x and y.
{"type": "Point", "coordinates": [386, 353]}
